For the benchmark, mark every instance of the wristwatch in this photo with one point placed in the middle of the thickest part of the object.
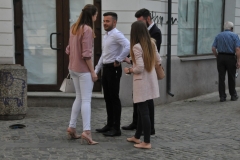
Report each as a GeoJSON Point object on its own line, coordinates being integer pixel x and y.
{"type": "Point", "coordinates": [117, 62]}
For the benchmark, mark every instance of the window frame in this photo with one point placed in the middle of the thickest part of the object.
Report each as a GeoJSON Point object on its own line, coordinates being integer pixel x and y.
{"type": "Point", "coordinates": [195, 53]}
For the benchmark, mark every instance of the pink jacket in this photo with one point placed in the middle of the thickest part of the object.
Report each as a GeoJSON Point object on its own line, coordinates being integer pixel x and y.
{"type": "Point", "coordinates": [79, 47]}
{"type": "Point", "coordinates": [145, 84]}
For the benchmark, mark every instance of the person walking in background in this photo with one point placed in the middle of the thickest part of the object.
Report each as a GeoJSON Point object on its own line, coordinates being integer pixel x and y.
{"type": "Point", "coordinates": [144, 15]}
{"type": "Point", "coordinates": [145, 83]}
{"type": "Point", "coordinates": [114, 50]}
{"type": "Point", "coordinates": [82, 71]}
{"type": "Point", "coordinates": [226, 48]}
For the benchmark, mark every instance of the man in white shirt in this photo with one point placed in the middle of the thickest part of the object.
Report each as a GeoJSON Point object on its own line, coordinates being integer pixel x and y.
{"type": "Point", "coordinates": [115, 49]}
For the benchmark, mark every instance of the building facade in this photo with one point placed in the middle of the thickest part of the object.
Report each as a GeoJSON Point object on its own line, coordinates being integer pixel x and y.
{"type": "Point", "coordinates": [35, 33]}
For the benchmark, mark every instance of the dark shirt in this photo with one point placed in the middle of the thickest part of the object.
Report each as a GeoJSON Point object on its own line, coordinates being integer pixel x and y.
{"type": "Point", "coordinates": [155, 33]}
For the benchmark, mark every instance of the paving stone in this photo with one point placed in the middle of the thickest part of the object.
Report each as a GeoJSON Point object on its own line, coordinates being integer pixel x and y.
{"type": "Point", "coordinates": [199, 128]}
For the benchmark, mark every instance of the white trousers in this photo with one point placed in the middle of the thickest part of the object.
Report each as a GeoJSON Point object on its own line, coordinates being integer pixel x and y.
{"type": "Point", "coordinates": [83, 85]}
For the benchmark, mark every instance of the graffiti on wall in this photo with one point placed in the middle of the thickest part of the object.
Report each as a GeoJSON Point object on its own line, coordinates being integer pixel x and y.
{"type": "Point", "coordinates": [159, 20]}
{"type": "Point", "coordinates": [9, 83]}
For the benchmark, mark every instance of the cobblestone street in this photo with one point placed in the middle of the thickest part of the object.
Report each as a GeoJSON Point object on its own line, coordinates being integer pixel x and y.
{"type": "Point", "coordinates": [199, 128]}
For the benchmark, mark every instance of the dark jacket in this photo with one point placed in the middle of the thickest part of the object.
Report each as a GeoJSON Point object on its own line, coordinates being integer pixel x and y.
{"type": "Point", "coordinates": [155, 33]}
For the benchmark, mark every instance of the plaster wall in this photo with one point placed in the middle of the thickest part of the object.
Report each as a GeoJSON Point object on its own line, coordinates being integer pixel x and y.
{"type": "Point", "coordinates": [6, 32]}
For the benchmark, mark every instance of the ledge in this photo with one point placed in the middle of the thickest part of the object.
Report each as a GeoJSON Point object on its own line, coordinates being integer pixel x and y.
{"type": "Point", "coordinates": [61, 94]}
{"type": "Point", "coordinates": [197, 58]}
{"type": "Point", "coordinates": [6, 60]}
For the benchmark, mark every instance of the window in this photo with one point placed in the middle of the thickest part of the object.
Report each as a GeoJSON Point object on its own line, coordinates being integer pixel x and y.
{"type": "Point", "coordinates": [199, 21]}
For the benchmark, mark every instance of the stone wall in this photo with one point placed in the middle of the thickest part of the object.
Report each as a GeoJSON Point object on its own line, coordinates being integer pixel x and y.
{"type": "Point", "coordinates": [13, 92]}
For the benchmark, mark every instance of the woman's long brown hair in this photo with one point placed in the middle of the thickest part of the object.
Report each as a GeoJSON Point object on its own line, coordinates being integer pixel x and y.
{"type": "Point", "coordinates": [140, 34]}
{"type": "Point", "coordinates": [85, 18]}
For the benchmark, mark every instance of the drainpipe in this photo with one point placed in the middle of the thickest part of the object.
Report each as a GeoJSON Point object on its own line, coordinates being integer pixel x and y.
{"type": "Point", "coordinates": [169, 48]}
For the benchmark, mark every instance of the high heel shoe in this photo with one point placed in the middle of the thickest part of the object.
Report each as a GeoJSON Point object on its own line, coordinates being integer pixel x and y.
{"type": "Point", "coordinates": [71, 132]}
{"type": "Point", "coordinates": [88, 139]}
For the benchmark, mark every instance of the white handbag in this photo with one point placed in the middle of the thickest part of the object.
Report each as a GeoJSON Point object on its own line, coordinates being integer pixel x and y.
{"type": "Point", "coordinates": [67, 85]}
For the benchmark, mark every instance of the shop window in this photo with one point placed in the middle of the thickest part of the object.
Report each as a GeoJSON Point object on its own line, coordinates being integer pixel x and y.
{"type": "Point", "coordinates": [199, 21]}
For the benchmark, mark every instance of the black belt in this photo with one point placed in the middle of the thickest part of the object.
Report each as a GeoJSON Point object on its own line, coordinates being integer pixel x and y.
{"type": "Point", "coordinates": [108, 65]}
{"type": "Point", "coordinates": [228, 54]}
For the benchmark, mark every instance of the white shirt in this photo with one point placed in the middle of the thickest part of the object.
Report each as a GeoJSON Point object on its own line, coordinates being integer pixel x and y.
{"type": "Point", "coordinates": [115, 47]}
{"type": "Point", "coordinates": [149, 27]}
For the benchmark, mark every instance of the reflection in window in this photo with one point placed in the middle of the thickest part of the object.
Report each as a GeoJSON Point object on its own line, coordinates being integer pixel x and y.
{"type": "Point", "coordinates": [39, 21]}
{"type": "Point", "coordinates": [209, 24]}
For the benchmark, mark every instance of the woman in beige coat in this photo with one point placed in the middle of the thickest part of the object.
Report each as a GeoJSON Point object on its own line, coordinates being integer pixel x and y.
{"type": "Point", "coordinates": [145, 83]}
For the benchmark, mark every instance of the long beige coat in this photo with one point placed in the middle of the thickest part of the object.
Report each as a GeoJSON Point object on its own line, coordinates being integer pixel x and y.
{"type": "Point", "coordinates": [145, 84]}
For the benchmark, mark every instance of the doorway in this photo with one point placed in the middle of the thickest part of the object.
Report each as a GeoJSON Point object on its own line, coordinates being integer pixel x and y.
{"type": "Point", "coordinates": [41, 36]}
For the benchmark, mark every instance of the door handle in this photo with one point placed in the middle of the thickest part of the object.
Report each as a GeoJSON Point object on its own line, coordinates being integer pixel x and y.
{"type": "Point", "coordinates": [51, 41]}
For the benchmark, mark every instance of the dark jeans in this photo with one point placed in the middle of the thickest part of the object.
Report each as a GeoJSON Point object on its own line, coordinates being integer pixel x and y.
{"type": "Point", "coordinates": [111, 84]}
{"type": "Point", "coordinates": [143, 122]}
{"type": "Point", "coordinates": [151, 113]}
{"type": "Point", "coordinates": [226, 63]}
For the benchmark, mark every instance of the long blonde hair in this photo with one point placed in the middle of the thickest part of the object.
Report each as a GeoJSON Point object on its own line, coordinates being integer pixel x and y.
{"type": "Point", "coordinates": [85, 18]}
{"type": "Point", "coordinates": [140, 34]}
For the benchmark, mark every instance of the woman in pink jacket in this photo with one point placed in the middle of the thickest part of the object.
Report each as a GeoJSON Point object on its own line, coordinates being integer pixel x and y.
{"type": "Point", "coordinates": [81, 69]}
{"type": "Point", "coordinates": [144, 55]}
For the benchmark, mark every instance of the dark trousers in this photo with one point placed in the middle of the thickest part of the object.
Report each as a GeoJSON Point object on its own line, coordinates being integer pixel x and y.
{"type": "Point", "coordinates": [111, 84]}
{"type": "Point", "coordinates": [226, 63]}
{"type": "Point", "coordinates": [143, 122]}
{"type": "Point", "coordinates": [151, 113]}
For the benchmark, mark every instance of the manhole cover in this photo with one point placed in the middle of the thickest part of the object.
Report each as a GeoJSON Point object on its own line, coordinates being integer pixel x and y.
{"type": "Point", "coordinates": [16, 126]}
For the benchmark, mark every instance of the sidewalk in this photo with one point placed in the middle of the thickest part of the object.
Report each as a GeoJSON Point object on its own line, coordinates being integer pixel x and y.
{"type": "Point", "coordinates": [199, 128]}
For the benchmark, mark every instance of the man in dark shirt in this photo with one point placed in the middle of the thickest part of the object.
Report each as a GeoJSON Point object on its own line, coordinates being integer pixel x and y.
{"type": "Point", "coordinates": [226, 48]}
{"type": "Point", "coordinates": [145, 16]}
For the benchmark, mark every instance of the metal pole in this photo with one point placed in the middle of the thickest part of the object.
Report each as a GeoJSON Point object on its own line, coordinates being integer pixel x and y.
{"type": "Point", "coordinates": [169, 48]}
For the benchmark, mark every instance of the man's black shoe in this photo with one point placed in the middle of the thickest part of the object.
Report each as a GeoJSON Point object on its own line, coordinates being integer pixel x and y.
{"type": "Point", "coordinates": [113, 133]}
{"type": "Point", "coordinates": [104, 129]}
{"type": "Point", "coordinates": [222, 99]}
{"type": "Point", "coordinates": [130, 127]}
{"type": "Point", "coordinates": [234, 98]}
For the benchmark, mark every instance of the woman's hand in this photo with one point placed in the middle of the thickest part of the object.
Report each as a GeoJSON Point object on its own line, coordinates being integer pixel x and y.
{"type": "Point", "coordinates": [94, 77]}
{"type": "Point", "coordinates": [127, 60]}
{"type": "Point", "coordinates": [126, 70]}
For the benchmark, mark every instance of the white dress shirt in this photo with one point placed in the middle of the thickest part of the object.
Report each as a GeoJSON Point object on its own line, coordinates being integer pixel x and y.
{"type": "Point", "coordinates": [149, 27]}
{"type": "Point", "coordinates": [114, 47]}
